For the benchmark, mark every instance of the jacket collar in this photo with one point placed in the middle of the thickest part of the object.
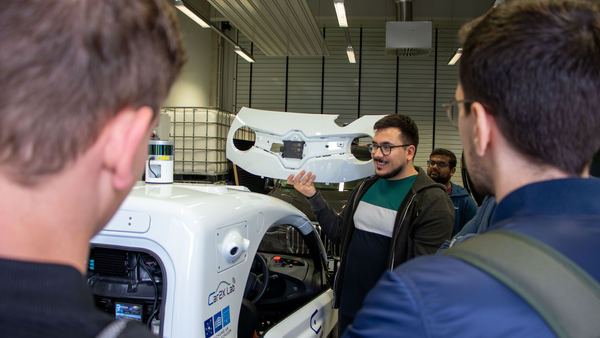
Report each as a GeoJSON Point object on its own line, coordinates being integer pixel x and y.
{"type": "Point", "coordinates": [571, 196]}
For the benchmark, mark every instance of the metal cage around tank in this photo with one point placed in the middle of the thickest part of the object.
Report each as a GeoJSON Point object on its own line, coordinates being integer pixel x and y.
{"type": "Point", "coordinates": [199, 136]}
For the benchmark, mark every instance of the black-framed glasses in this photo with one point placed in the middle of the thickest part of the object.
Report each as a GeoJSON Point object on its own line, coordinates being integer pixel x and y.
{"type": "Point", "coordinates": [452, 110]}
{"type": "Point", "coordinates": [386, 149]}
{"type": "Point", "coordinates": [441, 165]}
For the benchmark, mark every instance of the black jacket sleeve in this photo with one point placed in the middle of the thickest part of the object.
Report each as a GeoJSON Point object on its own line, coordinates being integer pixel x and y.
{"type": "Point", "coordinates": [433, 222]}
{"type": "Point", "coordinates": [329, 220]}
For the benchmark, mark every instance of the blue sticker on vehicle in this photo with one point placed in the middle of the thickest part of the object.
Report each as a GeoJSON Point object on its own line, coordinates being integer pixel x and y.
{"type": "Point", "coordinates": [208, 327]}
{"type": "Point", "coordinates": [217, 323]}
{"type": "Point", "coordinates": [226, 318]}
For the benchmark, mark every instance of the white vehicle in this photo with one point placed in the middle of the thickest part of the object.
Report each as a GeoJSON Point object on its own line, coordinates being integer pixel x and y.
{"type": "Point", "coordinates": [212, 261]}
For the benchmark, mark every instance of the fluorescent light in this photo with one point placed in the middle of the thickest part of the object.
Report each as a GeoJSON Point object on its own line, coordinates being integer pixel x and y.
{"type": "Point", "coordinates": [340, 10]}
{"type": "Point", "coordinates": [351, 57]}
{"type": "Point", "coordinates": [455, 58]}
{"type": "Point", "coordinates": [192, 15]}
{"type": "Point", "coordinates": [341, 186]}
{"type": "Point", "coordinates": [241, 52]}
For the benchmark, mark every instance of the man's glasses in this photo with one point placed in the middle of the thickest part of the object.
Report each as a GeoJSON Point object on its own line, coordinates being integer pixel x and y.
{"type": "Point", "coordinates": [386, 149]}
{"type": "Point", "coordinates": [441, 165]}
{"type": "Point", "coordinates": [452, 110]}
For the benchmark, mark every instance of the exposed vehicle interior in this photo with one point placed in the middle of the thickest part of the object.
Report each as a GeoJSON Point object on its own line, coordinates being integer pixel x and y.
{"type": "Point", "coordinates": [127, 284]}
{"type": "Point", "coordinates": [287, 272]}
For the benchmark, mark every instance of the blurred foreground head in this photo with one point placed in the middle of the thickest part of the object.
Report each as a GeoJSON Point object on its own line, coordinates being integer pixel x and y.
{"type": "Point", "coordinates": [535, 66]}
{"type": "Point", "coordinates": [67, 67]}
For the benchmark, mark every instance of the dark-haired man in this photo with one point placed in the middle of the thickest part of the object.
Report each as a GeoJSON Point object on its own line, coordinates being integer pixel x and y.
{"type": "Point", "coordinates": [441, 167]}
{"type": "Point", "coordinates": [528, 100]}
{"type": "Point", "coordinates": [81, 85]}
{"type": "Point", "coordinates": [390, 218]}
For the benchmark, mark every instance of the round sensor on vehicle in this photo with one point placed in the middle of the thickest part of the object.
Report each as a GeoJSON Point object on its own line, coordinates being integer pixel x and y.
{"type": "Point", "coordinates": [234, 244]}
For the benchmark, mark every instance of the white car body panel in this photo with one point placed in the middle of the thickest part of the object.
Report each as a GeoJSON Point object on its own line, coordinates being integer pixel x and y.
{"type": "Point", "coordinates": [321, 317]}
{"type": "Point", "coordinates": [182, 225]}
{"type": "Point", "coordinates": [326, 149]}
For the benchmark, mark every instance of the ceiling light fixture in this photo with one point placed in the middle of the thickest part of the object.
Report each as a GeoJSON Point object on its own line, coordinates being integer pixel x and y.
{"type": "Point", "coordinates": [195, 15]}
{"type": "Point", "coordinates": [202, 22]}
{"type": "Point", "coordinates": [241, 52]}
{"type": "Point", "coordinates": [351, 57]}
{"type": "Point", "coordinates": [340, 10]}
{"type": "Point", "coordinates": [455, 58]}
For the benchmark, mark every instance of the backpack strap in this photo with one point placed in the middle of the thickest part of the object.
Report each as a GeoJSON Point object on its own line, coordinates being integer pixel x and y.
{"type": "Point", "coordinates": [562, 293]}
{"type": "Point", "coordinates": [114, 329]}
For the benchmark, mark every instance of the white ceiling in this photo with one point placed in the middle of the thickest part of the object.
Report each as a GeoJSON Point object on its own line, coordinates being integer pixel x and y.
{"type": "Point", "coordinates": [292, 27]}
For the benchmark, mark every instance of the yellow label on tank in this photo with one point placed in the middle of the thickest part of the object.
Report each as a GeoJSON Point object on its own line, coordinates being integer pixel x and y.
{"type": "Point", "coordinates": [163, 158]}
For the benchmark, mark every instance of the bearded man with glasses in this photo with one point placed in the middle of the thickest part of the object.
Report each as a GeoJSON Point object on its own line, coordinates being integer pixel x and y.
{"type": "Point", "coordinates": [441, 167]}
{"type": "Point", "coordinates": [390, 218]}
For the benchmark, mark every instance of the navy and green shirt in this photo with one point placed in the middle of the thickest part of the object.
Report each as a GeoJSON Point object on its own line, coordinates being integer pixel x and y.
{"type": "Point", "coordinates": [374, 221]}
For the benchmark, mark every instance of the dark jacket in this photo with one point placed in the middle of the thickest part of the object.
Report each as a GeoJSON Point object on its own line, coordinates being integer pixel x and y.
{"type": "Point", "coordinates": [424, 221]}
{"type": "Point", "coordinates": [464, 206]}
{"type": "Point", "coordinates": [439, 296]}
{"type": "Point", "coordinates": [477, 225]}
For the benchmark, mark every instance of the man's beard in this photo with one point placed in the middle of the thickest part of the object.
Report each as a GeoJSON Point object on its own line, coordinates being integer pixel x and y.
{"type": "Point", "coordinates": [393, 173]}
{"type": "Point", "coordinates": [482, 182]}
{"type": "Point", "coordinates": [441, 179]}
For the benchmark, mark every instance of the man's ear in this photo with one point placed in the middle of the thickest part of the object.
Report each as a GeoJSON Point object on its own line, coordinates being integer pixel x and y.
{"type": "Point", "coordinates": [411, 150]}
{"type": "Point", "coordinates": [452, 171]}
{"type": "Point", "coordinates": [483, 128]}
{"type": "Point", "coordinates": [126, 137]}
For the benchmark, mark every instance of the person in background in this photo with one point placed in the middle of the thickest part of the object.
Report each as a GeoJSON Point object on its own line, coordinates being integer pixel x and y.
{"type": "Point", "coordinates": [441, 167]}
{"type": "Point", "coordinates": [399, 214]}
{"type": "Point", "coordinates": [81, 85]}
{"type": "Point", "coordinates": [528, 120]}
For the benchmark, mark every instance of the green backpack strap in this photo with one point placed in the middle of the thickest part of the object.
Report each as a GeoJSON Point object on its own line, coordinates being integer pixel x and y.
{"type": "Point", "coordinates": [562, 293]}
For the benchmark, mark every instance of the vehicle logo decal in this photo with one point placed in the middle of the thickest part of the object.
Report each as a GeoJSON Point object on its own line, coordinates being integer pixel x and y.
{"type": "Point", "coordinates": [223, 289]}
{"type": "Point", "coordinates": [217, 325]}
{"type": "Point", "coordinates": [218, 319]}
{"type": "Point", "coordinates": [208, 327]}
{"type": "Point", "coordinates": [314, 322]}
{"type": "Point", "coordinates": [226, 318]}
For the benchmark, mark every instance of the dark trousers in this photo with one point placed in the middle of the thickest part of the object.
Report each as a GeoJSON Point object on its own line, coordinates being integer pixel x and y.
{"type": "Point", "coordinates": [343, 322]}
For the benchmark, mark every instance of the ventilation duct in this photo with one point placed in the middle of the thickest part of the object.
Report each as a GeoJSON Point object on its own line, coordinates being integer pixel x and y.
{"type": "Point", "coordinates": [405, 37]}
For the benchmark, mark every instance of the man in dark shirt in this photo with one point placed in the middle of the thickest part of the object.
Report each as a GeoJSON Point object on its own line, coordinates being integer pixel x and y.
{"type": "Point", "coordinates": [390, 218]}
{"type": "Point", "coordinates": [81, 85]}
{"type": "Point", "coordinates": [441, 167]}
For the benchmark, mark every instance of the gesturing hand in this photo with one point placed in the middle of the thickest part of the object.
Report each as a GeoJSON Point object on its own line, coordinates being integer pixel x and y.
{"type": "Point", "coordinates": [303, 184]}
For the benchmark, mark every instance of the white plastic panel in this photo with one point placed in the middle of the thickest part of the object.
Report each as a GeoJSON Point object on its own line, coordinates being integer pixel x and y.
{"type": "Point", "coordinates": [320, 145]}
{"type": "Point", "coordinates": [232, 245]}
{"type": "Point", "coordinates": [315, 319]}
{"type": "Point", "coordinates": [129, 221]}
